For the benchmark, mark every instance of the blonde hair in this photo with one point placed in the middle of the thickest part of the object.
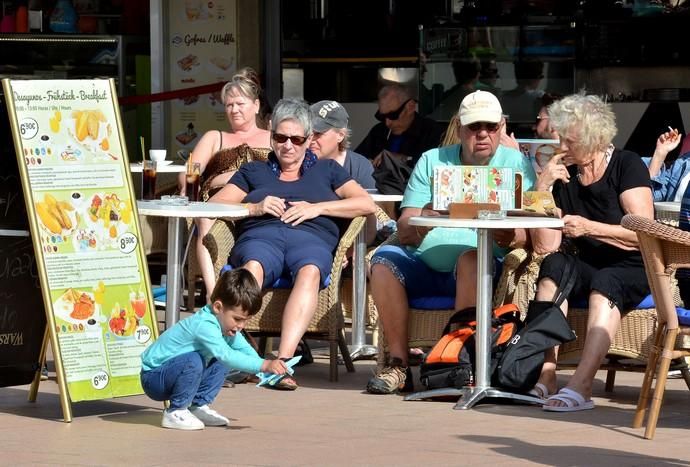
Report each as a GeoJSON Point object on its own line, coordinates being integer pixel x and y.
{"type": "Point", "coordinates": [589, 115]}
{"type": "Point", "coordinates": [451, 137]}
{"type": "Point", "coordinates": [245, 82]}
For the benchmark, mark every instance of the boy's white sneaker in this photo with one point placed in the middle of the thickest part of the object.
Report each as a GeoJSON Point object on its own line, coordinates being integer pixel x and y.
{"type": "Point", "coordinates": [181, 419]}
{"type": "Point", "coordinates": [208, 416]}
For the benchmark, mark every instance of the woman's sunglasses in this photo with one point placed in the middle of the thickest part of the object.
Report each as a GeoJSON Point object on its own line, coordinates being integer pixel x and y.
{"type": "Point", "coordinates": [281, 138]}
{"type": "Point", "coordinates": [478, 126]}
{"type": "Point", "coordinates": [392, 115]}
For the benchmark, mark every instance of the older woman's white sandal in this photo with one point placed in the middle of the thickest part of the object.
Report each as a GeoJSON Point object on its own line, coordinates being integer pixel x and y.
{"type": "Point", "coordinates": [573, 400]}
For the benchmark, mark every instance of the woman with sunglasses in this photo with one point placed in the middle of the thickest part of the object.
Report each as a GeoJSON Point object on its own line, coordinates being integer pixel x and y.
{"type": "Point", "coordinates": [294, 200]}
{"type": "Point", "coordinates": [220, 153]}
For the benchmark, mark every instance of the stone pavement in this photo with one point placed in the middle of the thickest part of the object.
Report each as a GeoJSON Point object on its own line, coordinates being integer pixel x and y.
{"type": "Point", "coordinates": [326, 423]}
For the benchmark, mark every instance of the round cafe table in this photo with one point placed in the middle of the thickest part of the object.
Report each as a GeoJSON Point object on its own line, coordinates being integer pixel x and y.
{"type": "Point", "coordinates": [470, 395]}
{"type": "Point", "coordinates": [176, 214]}
{"type": "Point", "coordinates": [667, 211]}
{"type": "Point", "coordinates": [137, 167]}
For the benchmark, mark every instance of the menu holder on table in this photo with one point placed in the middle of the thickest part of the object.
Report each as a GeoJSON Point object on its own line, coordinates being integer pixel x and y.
{"type": "Point", "coordinates": [536, 204]}
{"type": "Point", "coordinates": [471, 210]}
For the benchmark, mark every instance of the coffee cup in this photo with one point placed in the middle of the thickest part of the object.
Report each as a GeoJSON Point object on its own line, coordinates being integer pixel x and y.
{"type": "Point", "coordinates": [157, 155]}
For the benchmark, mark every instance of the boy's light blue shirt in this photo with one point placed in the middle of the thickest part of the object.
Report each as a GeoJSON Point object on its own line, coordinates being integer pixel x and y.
{"type": "Point", "coordinates": [666, 183]}
{"type": "Point", "coordinates": [202, 333]}
{"type": "Point", "coordinates": [442, 246]}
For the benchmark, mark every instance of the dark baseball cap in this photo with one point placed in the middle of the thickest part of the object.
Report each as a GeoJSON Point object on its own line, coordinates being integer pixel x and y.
{"type": "Point", "coordinates": [327, 115]}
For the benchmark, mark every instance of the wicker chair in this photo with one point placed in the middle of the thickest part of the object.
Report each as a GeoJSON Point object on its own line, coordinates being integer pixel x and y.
{"type": "Point", "coordinates": [631, 345]}
{"type": "Point", "coordinates": [664, 249]}
{"type": "Point", "coordinates": [219, 242]}
{"type": "Point", "coordinates": [327, 323]}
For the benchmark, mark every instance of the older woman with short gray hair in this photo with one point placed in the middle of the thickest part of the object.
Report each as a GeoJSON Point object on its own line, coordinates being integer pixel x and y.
{"type": "Point", "coordinates": [594, 185]}
{"type": "Point", "coordinates": [293, 200]}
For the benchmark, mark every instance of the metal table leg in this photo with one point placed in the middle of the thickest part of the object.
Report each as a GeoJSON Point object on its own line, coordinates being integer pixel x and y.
{"type": "Point", "coordinates": [482, 384]}
{"type": "Point", "coordinates": [471, 395]}
{"type": "Point", "coordinates": [359, 348]}
{"type": "Point", "coordinates": [174, 271]}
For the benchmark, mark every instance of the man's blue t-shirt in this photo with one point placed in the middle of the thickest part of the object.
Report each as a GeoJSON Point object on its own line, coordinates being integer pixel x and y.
{"type": "Point", "coordinates": [317, 184]}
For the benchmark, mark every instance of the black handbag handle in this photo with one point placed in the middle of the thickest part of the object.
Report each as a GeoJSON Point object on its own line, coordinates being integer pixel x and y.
{"type": "Point", "coordinates": [567, 281]}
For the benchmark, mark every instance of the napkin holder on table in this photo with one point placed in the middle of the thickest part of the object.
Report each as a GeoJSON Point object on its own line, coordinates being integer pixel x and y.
{"type": "Point", "coordinates": [470, 210]}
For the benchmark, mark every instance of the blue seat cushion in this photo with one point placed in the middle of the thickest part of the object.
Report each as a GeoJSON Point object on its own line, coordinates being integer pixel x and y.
{"type": "Point", "coordinates": [432, 303]}
{"type": "Point", "coordinates": [283, 282]}
{"type": "Point", "coordinates": [158, 292]}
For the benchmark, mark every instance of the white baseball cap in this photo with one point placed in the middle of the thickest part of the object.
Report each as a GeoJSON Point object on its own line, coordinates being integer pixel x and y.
{"type": "Point", "coordinates": [480, 106]}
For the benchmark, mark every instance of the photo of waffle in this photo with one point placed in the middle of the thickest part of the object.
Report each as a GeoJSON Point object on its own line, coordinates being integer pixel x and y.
{"type": "Point", "coordinates": [188, 62]}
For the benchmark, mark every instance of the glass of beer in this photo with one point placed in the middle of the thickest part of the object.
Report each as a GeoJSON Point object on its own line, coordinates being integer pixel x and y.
{"type": "Point", "coordinates": [148, 181]}
{"type": "Point", "coordinates": [192, 179]}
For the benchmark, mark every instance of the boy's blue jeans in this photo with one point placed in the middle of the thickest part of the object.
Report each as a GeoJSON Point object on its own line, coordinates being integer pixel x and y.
{"type": "Point", "coordinates": [185, 380]}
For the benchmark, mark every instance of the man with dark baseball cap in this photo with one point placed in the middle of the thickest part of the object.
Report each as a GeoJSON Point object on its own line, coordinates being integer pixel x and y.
{"type": "Point", "coordinates": [331, 140]}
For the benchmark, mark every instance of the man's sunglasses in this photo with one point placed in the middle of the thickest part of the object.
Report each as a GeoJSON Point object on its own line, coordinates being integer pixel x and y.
{"type": "Point", "coordinates": [392, 115]}
{"type": "Point", "coordinates": [281, 138]}
{"type": "Point", "coordinates": [478, 126]}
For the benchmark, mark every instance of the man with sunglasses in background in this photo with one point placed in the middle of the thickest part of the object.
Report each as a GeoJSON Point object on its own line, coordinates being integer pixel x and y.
{"type": "Point", "coordinates": [401, 129]}
{"type": "Point", "coordinates": [438, 264]}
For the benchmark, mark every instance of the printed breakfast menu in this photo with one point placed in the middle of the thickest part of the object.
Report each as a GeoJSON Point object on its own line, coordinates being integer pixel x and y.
{"type": "Point", "coordinates": [87, 239]}
{"type": "Point", "coordinates": [474, 184]}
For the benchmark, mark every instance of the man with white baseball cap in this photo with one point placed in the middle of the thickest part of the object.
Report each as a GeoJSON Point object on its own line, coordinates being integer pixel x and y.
{"type": "Point", "coordinates": [438, 263]}
{"type": "Point", "coordinates": [331, 140]}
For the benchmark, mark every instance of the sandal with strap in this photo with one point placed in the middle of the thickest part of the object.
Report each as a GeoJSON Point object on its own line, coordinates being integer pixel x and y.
{"type": "Point", "coordinates": [286, 383]}
{"type": "Point", "coordinates": [573, 400]}
{"type": "Point", "coordinates": [540, 391]}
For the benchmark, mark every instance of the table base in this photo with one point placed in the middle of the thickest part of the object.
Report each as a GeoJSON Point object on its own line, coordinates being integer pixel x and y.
{"type": "Point", "coordinates": [469, 396]}
{"type": "Point", "coordinates": [363, 352]}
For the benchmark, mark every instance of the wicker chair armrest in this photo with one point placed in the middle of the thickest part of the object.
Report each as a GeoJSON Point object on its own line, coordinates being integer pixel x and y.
{"type": "Point", "coordinates": [346, 241]}
{"type": "Point", "coordinates": [381, 215]}
{"type": "Point", "coordinates": [655, 229]}
{"type": "Point", "coordinates": [219, 241]}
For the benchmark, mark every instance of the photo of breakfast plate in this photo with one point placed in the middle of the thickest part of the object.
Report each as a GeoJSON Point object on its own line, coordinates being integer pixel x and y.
{"type": "Point", "coordinates": [122, 321]}
{"type": "Point", "coordinates": [91, 132]}
{"type": "Point", "coordinates": [108, 217]}
{"type": "Point", "coordinates": [56, 216]}
{"type": "Point", "coordinates": [76, 306]}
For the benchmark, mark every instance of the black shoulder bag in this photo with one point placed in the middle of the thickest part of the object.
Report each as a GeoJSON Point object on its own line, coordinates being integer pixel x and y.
{"type": "Point", "coordinates": [545, 327]}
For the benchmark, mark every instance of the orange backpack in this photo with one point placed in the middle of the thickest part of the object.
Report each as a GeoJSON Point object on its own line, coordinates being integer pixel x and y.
{"type": "Point", "coordinates": [450, 363]}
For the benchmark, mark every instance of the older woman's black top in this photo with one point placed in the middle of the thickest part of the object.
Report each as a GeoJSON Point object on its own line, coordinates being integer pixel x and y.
{"type": "Point", "coordinates": [317, 184]}
{"type": "Point", "coordinates": [600, 202]}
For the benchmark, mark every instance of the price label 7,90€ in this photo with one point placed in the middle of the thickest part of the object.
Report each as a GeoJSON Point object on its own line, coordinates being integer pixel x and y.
{"type": "Point", "coordinates": [127, 242]}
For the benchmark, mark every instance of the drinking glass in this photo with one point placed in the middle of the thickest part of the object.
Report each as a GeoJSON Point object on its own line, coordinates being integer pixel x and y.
{"type": "Point", "coordinates": [148, 182]}
{"type": "Point", "coordinates": [192, 178]}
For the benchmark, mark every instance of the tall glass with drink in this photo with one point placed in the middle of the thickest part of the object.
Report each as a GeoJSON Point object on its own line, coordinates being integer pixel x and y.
{"type": "Point", "coordinates": [148, 181]}
{"type": "Point", "coordinates": [192, 180]}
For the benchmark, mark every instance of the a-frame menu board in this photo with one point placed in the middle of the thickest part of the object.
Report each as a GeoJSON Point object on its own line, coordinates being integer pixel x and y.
{"type": "Point", "coordinates": [85, 231]}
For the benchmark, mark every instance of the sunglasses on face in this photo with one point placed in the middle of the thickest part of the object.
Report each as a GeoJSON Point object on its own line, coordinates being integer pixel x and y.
{"type": "Point", "coordinates": [489, 127]}
{"type": "Point", "coordinates": [281, 138]}
{"type": "Point", "coordinates": [392, 115]}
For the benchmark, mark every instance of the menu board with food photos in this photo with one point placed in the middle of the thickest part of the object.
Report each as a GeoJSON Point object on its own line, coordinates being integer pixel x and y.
{"type": "Point", "coordinates": [538, 151]}
{"type": "Point", "coordinates": [202, 38]}
{"type": "Point", "coordinates": [85, 232]}
{"type": "Point", "coordinates": [473, 184]}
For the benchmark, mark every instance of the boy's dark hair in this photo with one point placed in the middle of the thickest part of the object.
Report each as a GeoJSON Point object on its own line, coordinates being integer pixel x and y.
{"type": "Point", "coordinates": [238, 287]}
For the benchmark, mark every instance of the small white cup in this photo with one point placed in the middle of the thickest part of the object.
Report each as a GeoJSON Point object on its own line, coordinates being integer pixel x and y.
{"type": "Point", "coordinates": [157, 155]}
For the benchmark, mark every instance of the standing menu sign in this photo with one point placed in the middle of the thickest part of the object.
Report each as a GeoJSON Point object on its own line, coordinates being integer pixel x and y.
{"type": "Point", "coordinates": [203, 50]}
{"type": "Point", "coordinates": [86, 236]}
